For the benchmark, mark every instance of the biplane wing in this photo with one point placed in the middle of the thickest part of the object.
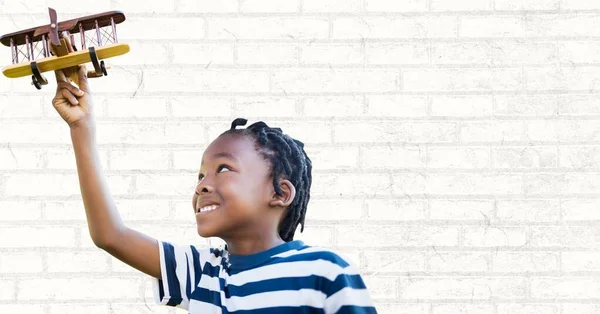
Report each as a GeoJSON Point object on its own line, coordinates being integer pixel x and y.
{"type": "Point", "coordinates": [97, 40]}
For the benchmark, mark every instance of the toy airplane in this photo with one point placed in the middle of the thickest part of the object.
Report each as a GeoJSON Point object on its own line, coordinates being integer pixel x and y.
{"type": "Point", "coordinates": [60, 52]}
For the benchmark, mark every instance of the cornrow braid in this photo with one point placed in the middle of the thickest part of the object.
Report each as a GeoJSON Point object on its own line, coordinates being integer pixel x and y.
{"type": "Point", "coordinates": [289, 161]}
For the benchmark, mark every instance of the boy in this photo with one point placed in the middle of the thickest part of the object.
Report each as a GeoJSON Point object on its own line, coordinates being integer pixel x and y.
{"type": "Point", "coordinates": [253, 190]}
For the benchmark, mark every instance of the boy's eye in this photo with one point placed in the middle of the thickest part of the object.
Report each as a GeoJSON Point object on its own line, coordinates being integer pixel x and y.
{"type": "Point", "coordinates": [221, 167]}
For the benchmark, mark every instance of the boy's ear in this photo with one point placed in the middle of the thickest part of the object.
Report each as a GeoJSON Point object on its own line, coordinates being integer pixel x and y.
{"type": "Point", "coordinates": [284, 200]}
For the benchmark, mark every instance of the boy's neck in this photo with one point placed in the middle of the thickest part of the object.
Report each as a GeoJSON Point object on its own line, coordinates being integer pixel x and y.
{"type": "Point", "coordinates": [252, 246]}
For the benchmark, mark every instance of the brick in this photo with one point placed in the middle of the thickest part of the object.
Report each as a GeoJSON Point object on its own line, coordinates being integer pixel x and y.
{"type": "Point", "coordinates": [139, 158]}
{"type": "Point", "coordinates": [393, 261]}
{"type": "Point", "coordinates": [463, 308]}
{"type": "Point", "coordinates": [397, 106]}
{"type": "Point", "coordinates": [122, 80]}
{"type": "Point", "coordinates": [580, 261]}
{"type": "Point", "coordinates": [562, 130]}
{"type": "Point", "coordinates": [543, 25]}
{"type": "Point", "coordinates": [57, 308]}
{"type": "Point", "coordinates": [346, 6]}
{"type": "Point", "coordinates": [580, 209]}
{"type": "Point", "coordinates": [396, 209]}
{"type": "Point", "coordinates": [558, 184]}
{"type": "Point", "coordinates": [183, 211]}
{"type": "Point", "coordinates": [422, 236]}
{"type": "Point", "coordinates": [493, 131]}
{"type": "Point", "coordinates": [575, 105]}
{"type": "Point", "coordinates": [153, 28]}
{"type": "Point", "coordinates": [394, 27]}
{"type": "Point", "coordinates": [166, 184]}
{"type": "Point", "coordinates": [524, 262]}
{"type": "Point", "coordinates": [453, 80]}
{"type": "Point", "coordinates": [462, 106]}
{"type": "Point", "coordinates": [458, 157]}
{"type": "Point", "coordinates": [267, 53]}
{"type": "Point", "coordinates": [196, 106]}
{"type": "Point", "coordinates": [139, 107]}
{"type": "Point", "coordinates": [340, 184]}
{"type": "Point", "coordinates": [579, 5]}
{"type": "Point", "coordinates": [27, 236]}
{"type": "Point", "coordinates": [381, 287]}
{"type": "Point", "coordinates": [188, 159]}
{"type": "Point", "coordinates": [397, 53]}
{"type": "Point", "coordinates": [523, 52]}
{"type": "Point", "coordinates": [38, 132]}
{"type": "Point", "coordinates": [461, 53]}
{"type": "Point", "coordinates": [524, 157]}
{"type": "Point", "coordinates": [131, 133]}
{"type": "Point", "coordinates": [494, 236]}
{"type": "Point", "coordinates": [270, 6]}
{"type": "Point", "coordinates": [463, 5]}
{"type": "Point", "coordinates": [334, 80]}
{"type": "Point", "coordinates": [20, 262]}
{"type": "Point", "coordinates": [369, 236]}
{"type": "Point", "coordinates": [207, 6]}
{"type": "Point", "coordinates": [440, 261]}
{"type": "Point", "coordinates": [565, 236]}
{"type": "Point", "coordinates": [7, 290]}
{"type": "Point", "coordinates": [204, 54]}
{"type": "Point", "coordinates": [40, 7]}
{"type": "Point", "coordinates": [19, 210]}
{"type": "Point", "coordinates": [329, 54]}
{"type": "Point", "coordinates": [155, 209]}
{"type": "Point", "coordinates": [402, 308]}
{"type": "Point", "coordinates": [528, 210]}
{"type": "Point", "coordinates": [315, 236]}
{"type": "Point", "coordinates": [265, 107]}
{"type": "Point", "coordinates": [150, 7]}
{"type": "Point", "coordinates": [21, 106]}
{"type": "Point", "coordinates": [580, 308]}
{"type": "Point", "coordinates": [332, 158]}
{"type": "Point", "coordinates": [529, 308]}
{"type": "Point", "coordinates": [393, 6]}
{"type": "Point", "coordinates": [388, 157]}
{"type": "Point", "coordinates": [16, 158]}
{"type": "Point", "coordinates": [57, 185]}
{"type": "Point", "coordinates": [206, 80]}
{"type": "Point", "coordinates": [64, 210]}
{"type": "Point", "coordinates": [81, 261]}
{"type": "Point", "coordinates": [462, 288]}
{"type": "Point", "coordinates": [481, 210]}
{"type": "Point", "coordinates": [77, 288]}
{"type": "Point", "coordinates": [523, 6]}
{"type": "Point", "coordinates": [382, 132]}
{"type": "Point", "coordinates": [338, 106]}
{"type": "Point", "coordinates": [565, 287]}
{"type": "Point", "coordinates": [526, 105]}
{"type": "Point", "coordinates": [333, 209]}
{"type": "Point", "coordinates": [457, 184]}
{"type": "Point", "coordinates": [583, 78]}
{"type": "Point", "coordinates": [288, 28]}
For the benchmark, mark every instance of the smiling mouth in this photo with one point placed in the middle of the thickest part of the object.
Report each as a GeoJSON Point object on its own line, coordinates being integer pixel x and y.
{"type": "Point", "coordinates": [207, 209]}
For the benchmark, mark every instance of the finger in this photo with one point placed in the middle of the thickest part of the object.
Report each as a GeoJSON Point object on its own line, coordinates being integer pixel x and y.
{"type": "Point", "coordinates": [72, 88]}
{"type": "Point", "coordinates": [83, 79]}
{"type": "Point", "coordinates": [67, 94]}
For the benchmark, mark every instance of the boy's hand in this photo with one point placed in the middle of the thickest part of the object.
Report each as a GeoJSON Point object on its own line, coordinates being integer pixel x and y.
{"type": "Point", "coordinates": [73, 104]}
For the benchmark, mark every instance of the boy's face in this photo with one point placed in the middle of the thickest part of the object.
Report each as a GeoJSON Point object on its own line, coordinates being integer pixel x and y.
{"type": "Point", "coordinates": [231, 199]}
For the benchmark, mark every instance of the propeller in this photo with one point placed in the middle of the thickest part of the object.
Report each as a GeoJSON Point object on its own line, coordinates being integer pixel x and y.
{"type": "Point", "coordinates": [53, 31]}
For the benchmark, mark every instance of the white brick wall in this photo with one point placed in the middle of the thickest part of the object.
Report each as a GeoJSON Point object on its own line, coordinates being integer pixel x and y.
{"type": "Point", "coordinates": [455, 146]}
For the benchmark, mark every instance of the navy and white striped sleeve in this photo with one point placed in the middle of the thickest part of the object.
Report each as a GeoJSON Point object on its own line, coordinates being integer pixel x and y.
{"type": "Point", "coordinates": [181, 269]}
{"type": "Point", "coordinates": [348, 294]}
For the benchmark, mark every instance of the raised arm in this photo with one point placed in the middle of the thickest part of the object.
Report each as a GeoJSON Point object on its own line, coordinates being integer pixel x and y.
{"type": "Point", "coordinates": [106, 228]}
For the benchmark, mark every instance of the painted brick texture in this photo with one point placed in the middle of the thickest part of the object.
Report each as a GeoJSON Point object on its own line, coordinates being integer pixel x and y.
{"type": "Point", "coordinates": [455, 146]}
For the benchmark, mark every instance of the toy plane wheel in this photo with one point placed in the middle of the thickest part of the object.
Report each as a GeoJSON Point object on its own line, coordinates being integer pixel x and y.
{"type": "Point", "coordinates": [35, 82]}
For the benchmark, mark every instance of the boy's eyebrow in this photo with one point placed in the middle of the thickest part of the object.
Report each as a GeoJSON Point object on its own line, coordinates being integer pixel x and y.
{"type": "Point", "coordinates": [224, 155]}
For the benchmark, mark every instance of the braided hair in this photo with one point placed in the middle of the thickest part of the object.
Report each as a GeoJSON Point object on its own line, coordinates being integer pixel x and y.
{"type": "Point", "coordinates": [288, 160]}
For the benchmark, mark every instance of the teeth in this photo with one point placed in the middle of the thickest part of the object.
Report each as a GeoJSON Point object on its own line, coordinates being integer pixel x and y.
{"type": "Point", "coordinates": [208, 208]}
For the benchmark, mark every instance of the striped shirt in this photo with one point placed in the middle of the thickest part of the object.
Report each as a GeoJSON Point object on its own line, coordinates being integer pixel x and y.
{"type": "Point", "coordinates": [290, 278]}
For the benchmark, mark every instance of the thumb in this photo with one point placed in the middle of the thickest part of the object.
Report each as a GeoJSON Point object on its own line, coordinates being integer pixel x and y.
{"type": "Point", "coordinates": [83, 82]}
